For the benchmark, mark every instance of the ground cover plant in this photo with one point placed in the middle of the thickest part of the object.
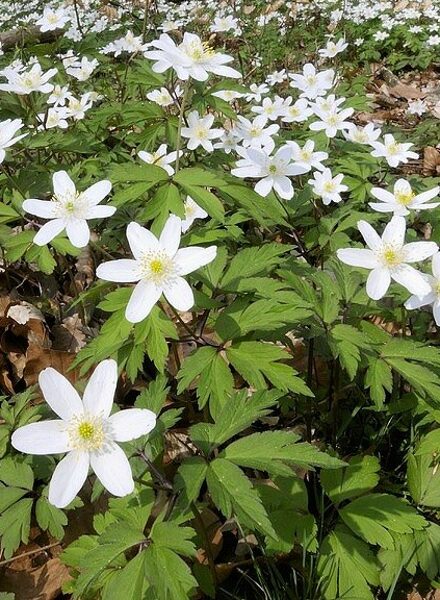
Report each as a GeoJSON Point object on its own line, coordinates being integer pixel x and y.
{"type": "Point", "coordinates": [219, 300]}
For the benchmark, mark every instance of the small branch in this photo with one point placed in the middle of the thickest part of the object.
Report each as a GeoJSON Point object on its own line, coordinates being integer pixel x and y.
{"type": "Point", "coordinates": [36, 551]}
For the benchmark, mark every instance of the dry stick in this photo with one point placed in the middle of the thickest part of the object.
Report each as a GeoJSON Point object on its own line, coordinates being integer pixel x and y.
{"type": "Point", "coordinates": [144, 25]}
{"type": "Point", "coordinates": [42, 549]}
{"type": "Point", "coordinates": [78, 22]}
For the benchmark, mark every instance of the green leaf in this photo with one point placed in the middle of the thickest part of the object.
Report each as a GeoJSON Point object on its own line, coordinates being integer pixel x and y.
{"type": "Point", "coordinates": [424, 480]}
{"type": "Point", "coordinates": [196, 176]}
{"type": "Point", "coordinates": [252, 261]}
{"type": "Point", "coordinates": [15, 472]}
{"type": "Point", "coordinates": [154, 396]}
{"type": "Point", "coordinates": [122, 173]}
{"type": "Point", "coordinates": [379, 380]}
{"type": "Point", "coordinates": [168, 534]}
{"type": "Point", "coordinates": [50, 518]}
{"type": "Point", "coordinates": [347, 568]}
{"type": "Point", "coordinates": [377, 516]}
{"type": "Point", "coordinates": [215, 378]}
{"type": "Point", "coordinates": [347, 343]}
{"type": "Point", "coordinates": [273, 451]}
{"type": "Point", "coordinates": [168, 574]}
{"type": "Point", "coordinates": [15, 524]}
{"type": "Point", "coordinates": [233, 494]}
{"type": "Point", "coordinates": [206, 200]}
{"type": "Point", "coordinates": [360, 476]}
{"type": "Point", "coordinates": [258, 361]}
{"type": "Point", "coordinates": [189, 479]}
{"type": "Point", "coordinates": [128, 582]}
{"type": "Point", "coordinates": [115, 540]}
{"type": "Point", "coordinates": [238, 414]}
{"type": "Point", "coordinates": [152, 333]}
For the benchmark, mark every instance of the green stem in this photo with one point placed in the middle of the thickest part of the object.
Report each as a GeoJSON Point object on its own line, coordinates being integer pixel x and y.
{"type": "Point", "coordinates": [179, 127]}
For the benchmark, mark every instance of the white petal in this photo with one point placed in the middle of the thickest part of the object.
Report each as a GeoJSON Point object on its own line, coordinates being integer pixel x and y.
{"type": "Point", "coordinates": [179, 295]}
{"type": "Point", "coordinates": [124, 270]}
{"type": "Point", "coordinates": [62, 184]}
{"type": "Point", "coordinates": [264, 186]}
{"type": "Point", "coordinates": [49, 230]}
{"type": "Point", "coordinates": [144, 297]}
{"type": "Point", "coordinates": [44, 437]}
{"type": "Point", "coordinates": [358, 257]}
{"type": "Point", "coordinates": [436, 311]}
{"type": "Point", "coordinates": [416, 302]}
{"type": "Point", "coordinates": [394, 232]}
{"type": "Point", "coordinates": [78, 233]}
{"type": "Point", "coordinates": [100, 390]}
{"type": "Point", "coordinates": [131, 424]}
{"type": "Point", "coordinates": [283, 186]}
{"type": "Point", "coordinates": [378, 283]}
{"type": "Point", "coordinates": [436, 265]}
{"type": "Point", "coordinates": [97, 192]}
{"type": "Point", "coordinates": [371, 237]}
{"type": "Point", "coordinates": [417, 251]}
{"type": "Point", "coordinates": [68, 478]}
{"type": "Point", "coordinates": [113, 470]}
{"type": "Point", "coordinates": [170, 236]}
{"type": "Point", "coordinates": [39, 208]}
{"type": "Point", "coordinates": [100, 212]}
{"type": "Point", "coordinates": [141, 240]}
{"type": "Point", "coordinates": [384, 207]}
{"type": "Point", "coordinates": [412, 280]}
{"type": "Point", "coordinates": [60, 394]}
{"type": "Point", "coordinates": [192, 258]}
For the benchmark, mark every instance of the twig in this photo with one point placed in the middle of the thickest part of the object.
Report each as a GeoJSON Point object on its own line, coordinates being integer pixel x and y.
{"type": "Point", "coordinates": [36, 551]}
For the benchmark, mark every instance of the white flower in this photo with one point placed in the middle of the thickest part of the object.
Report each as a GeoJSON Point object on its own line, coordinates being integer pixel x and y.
{"type": "Point", "coordinates": [276, 77]}
{"type": "Point", "coordinates": [403, 199]}
{"type": "Point", "coordinates": [257, 91]}
{"type": "Point", "coordinates": [69, 210]}
{"type": "Point", "coordinates": [255, 134]}
{"type": "Point", "coordinates": [163, 97]}
{"type": "Point", "coordinates": [306, 156]}
{"type": "Point", "coordinates": [272, 109]}
{"type": "Point", "coordinates": [191, 58]}
{"type": "Point", "coordinates": [432, 298]}
{"type": "Point", "coordinates": [359, 41]}
{"type": "Point", "coordinates": [56, 117]}
{"type": "Point", "coordinates": [393, 152]}
{"type": "Point", "coordinates": [228, 141]}
{"type": "Point", "coordinates": [273, 172]}
{"type": "Point", "coordinates": [332, 49]}
{"type": "Point", "coordinates": [160, 158]}
{"type": "Point", "coordinates": [158, 267]}
{"type": "Point", "coordinates": [86, 431]}
{"type": "Point", "coordinates": [53, 19]}
{"type": "Point", "coordinates": [192, 212]}
{"type": "Point", "coordinates": [379, 36]}
{"type": "Point", "coordinates": [417, 107]}
{"type": "Point", "coordinates": [326, 186]}
{"type": "Point", "coordinates": [224, 24]}
{"type": "Point", "coordinates": [362, 135]}
{"type": "Point", "coordinates": [199, 132]}
{"type": "Point", "coordinates": [332, 122]}
{"type": "Point", "coordinates": [388, 258]}
{"type": "Point", "coordinates": [228, 95]}
{"type": "Point", "coordinates": [297, 112]}
{"type": "Point", "coordinates": [59, 96]}
{"type": "Point", "coordinates": [27, 82]}
{"type": "Point", "coordinates": [82, 70]}
{"type": "Point", "coordinates": [8, 129]}
{"type": "Point", "coordinates": [433, 40]}
{"type": "Point", "coordinates": [312, 83]}
{"type": "Point", "coordinates": [77, 107]}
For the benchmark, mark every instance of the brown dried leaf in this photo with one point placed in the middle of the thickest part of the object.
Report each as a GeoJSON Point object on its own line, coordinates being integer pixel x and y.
{"type": "Point", "coordinates": [431, 161]}
{"type": "Point", "coordinates": [408, 92]}
{"type": "Point", "coordinates": [40, 358]}
{"type": "Point", "coordinates": [40, 583]}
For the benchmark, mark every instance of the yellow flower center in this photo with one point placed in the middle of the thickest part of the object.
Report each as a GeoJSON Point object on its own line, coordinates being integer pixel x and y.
{"type": "Point", "coordinates": [329, 187]}
{"type": "Point", "coordinates": [255, 131]}
{"type": "Point", "coordinates": [392, 257]}
{"type": "Point", "coordinates": [202, 133]}
{"type": "Point", "coordinates": [306, 155]}
{"type": "Point", "coordinates": [198, 51]}
{"type": "Point", "coordinates": [272, 169]}
{"type": "Point", "coordinates": [86, 430]}
{"type": "Point", "coordinates": [404, 198]}
{"type": "Point", "coordinates": [393, 148]}
{"type": "Point", "coordinates": [157, 266]}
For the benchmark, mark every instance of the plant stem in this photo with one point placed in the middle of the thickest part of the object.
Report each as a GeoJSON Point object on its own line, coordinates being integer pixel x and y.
{"type": "Point", "coordinates": [179, 127]}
